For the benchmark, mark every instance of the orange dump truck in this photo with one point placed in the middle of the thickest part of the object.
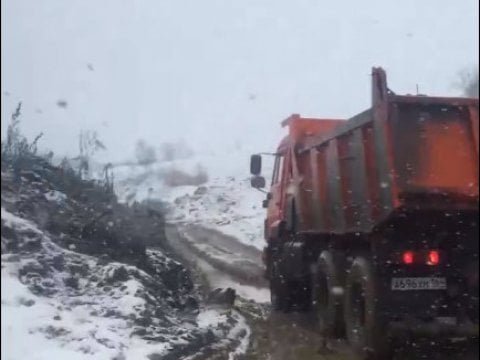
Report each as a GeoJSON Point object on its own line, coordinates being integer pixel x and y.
{"type": "Point", "coordinates": [372, 222]}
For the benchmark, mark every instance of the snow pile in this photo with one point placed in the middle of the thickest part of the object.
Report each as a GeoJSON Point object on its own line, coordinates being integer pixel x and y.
{"type": "Point", "coordinates": [225, 202]}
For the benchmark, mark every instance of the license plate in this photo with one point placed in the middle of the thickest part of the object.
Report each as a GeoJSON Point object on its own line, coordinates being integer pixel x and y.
{"type": "Point", "coordinates": [419, 283]}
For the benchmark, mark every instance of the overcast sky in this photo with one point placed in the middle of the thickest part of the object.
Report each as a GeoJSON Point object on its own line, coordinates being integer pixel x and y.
{"type": "Point", "coordinates": [218, 73]}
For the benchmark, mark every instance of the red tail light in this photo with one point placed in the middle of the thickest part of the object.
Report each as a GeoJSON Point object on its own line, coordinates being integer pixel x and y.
{"type": "Point", "coordinates": [433, 258]}
{"type": "Point", "coordinates": [408, 257]}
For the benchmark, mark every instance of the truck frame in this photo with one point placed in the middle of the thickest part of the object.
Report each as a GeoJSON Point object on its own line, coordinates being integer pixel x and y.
{"type": "Point", "coordinates": [372, 222]}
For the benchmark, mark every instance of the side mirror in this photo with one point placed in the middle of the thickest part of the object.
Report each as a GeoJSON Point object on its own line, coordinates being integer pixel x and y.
{"type": "Point", "coordinates": [255, 164]}
{"type": "Point", "coordinates": [257, 182]}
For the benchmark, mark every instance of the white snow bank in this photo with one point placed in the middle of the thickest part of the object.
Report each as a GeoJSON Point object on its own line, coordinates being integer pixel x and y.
{"type": "Point", "coordinates": [17, 223]}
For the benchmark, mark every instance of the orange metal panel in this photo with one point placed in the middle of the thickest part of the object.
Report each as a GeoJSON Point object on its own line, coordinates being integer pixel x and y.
{"type": "Point", "coordinates": [301, 128]}
{"type": "Point", "coordinates": [473, 110]}
{"type": "Point", "coordinates": [346, 178]}
{"type": "Point", "coordinates": [306, 190]}
{"type": "Point", "coordinates": [373, 195]}
{"type": "Point", "coordinates": [435, 150]}
{"type": "Point", "coordinates": [319, 170]}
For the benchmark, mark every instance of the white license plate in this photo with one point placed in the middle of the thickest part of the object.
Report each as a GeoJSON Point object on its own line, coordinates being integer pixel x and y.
{"type": "Point", "coordinates": [419, 283]}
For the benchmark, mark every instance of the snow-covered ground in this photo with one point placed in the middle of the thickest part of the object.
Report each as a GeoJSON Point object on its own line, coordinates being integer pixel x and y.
{"type": "Point", "coordinates": [86, 321]}
{"type": "Point", "coordinates": [58, 303]}
{"type": "Point", "coordinates": [226, 202]}
{"type": "Point", "coordinates": [72, 324]}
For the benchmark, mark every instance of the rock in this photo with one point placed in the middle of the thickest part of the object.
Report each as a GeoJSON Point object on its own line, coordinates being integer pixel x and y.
{"type": "Point", "coordinates": [26, 302]}
{"type": "Point", "coordinates": [53, 332]}
{"type": "Point", "coordinates": [9, 245]}
{"type": "Point", "coordinates": [58, 262]}
{"type": "Point", "coordinates": [222, 297]}
{"type": "Point", "coordinates": [39, 290]}
{"type": "Point", "coordinates": [8, 232]}
{"type": "Point", "coordinates": [32, 245]}
{"type": "Point", "coordinates": [191, 303]}
{"type": "Point", "coordinates": [139, 331]}
{"type": "Point", "coordinates": [120, 274]}
{"type": "Point", "coordinates": [104, 259]}
{"type": "Point", "coordinates": [48, 283]}
{"type": "Point", "coordinates": [57, 317]}
{"type": "Point", "coordinates": [143, 321]}
{"type": "Point", "coordinates": [159, 313]}
{"type": "Point", "coordinates": [80, 269]}
{"type": "Point", "coordinates": [201, 190]}
{"type": "Point", "coordinates": [111, 313]}
{"type": "Point", "coordinates": [71, 282]}
{"type": "Point", "coordinates": [157, 338]}
{"type": "Point", "coordinates": [33, 267]}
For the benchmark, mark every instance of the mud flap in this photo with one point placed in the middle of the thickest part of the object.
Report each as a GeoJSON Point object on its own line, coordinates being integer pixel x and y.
{"type": "Point", "coordinates": [293, 260]}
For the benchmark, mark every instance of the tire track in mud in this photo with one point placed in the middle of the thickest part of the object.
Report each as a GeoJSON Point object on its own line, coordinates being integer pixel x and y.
{"type": "Point", "coordinates": [240, 262]}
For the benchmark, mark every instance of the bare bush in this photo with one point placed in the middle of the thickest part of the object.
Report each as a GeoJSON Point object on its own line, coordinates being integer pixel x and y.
{"type": "Point", "coordinates": [16, 147]}
{"type": "Point", "coordinates": [175, 177]}
{"type": "Point", "coordinates": [144, 153]}
{"type": "Point", "coordinates": [88, 144]}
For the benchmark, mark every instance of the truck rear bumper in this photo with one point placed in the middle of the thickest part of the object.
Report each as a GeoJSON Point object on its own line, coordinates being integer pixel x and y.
{"type": "Point", "coordinates": [433, 328]}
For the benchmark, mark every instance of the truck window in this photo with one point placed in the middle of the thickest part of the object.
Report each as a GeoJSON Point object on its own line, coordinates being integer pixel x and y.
{"type": "Point", "coordinates": [277, 169]}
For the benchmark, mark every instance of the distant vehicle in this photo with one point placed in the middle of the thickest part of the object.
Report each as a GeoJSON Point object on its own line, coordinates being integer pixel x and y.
{"type": "Point", "coordinates": [372, 223]}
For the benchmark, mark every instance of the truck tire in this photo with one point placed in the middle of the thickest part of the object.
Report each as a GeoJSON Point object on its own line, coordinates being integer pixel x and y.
{"type": "Point", "coordinates": [300, 295]}
{"type": "Point", "coordinates": [365, 328]}
{"type": "Point", "coordinates": [326, 305]}
{"type": "Point", "coordinates": [278, 289]}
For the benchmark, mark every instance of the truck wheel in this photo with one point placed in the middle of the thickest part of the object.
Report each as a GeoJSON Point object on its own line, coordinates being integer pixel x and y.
{"type": "Point", "coordinates": [364, 326]}
{"type": "Point", "coordinates": [326, 304]}
{"type": "Point", "coordinates": [278, 290]}
{"type": "Point", "coordinates": [300, 294]}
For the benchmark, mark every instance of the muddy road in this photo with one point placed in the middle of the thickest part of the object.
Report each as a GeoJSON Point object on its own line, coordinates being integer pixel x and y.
{"type": "Point", "coordinates": [222, 261]}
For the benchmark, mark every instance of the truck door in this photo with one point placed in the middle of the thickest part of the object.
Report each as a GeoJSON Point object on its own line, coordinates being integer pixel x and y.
{"type": "Point", "coordinates": [274, 213]}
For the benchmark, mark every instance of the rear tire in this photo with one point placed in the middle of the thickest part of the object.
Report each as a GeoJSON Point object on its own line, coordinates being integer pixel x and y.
{"type": "Point", "coordinates": [326, 304]}
{"type": "Point", "coordinates": [364, 325]}
{"type": "Point", "coordinates": [300, 294]}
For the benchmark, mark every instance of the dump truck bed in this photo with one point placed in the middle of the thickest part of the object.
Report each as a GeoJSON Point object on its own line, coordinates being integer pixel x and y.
{"type": "Point", "coordinates": [406, 153]}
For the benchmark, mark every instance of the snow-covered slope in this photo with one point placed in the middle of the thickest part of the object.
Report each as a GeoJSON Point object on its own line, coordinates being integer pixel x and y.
{"type": "Point", "coordinates": [60, 303]}
{"type": "Point", "coordinates": [76, 317]}
{"type": "Point", "coordinates": [225, 202]}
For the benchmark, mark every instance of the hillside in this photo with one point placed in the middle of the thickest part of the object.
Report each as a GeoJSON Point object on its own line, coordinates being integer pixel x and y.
{"type": "Point", "coordinates": [84, 277]}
